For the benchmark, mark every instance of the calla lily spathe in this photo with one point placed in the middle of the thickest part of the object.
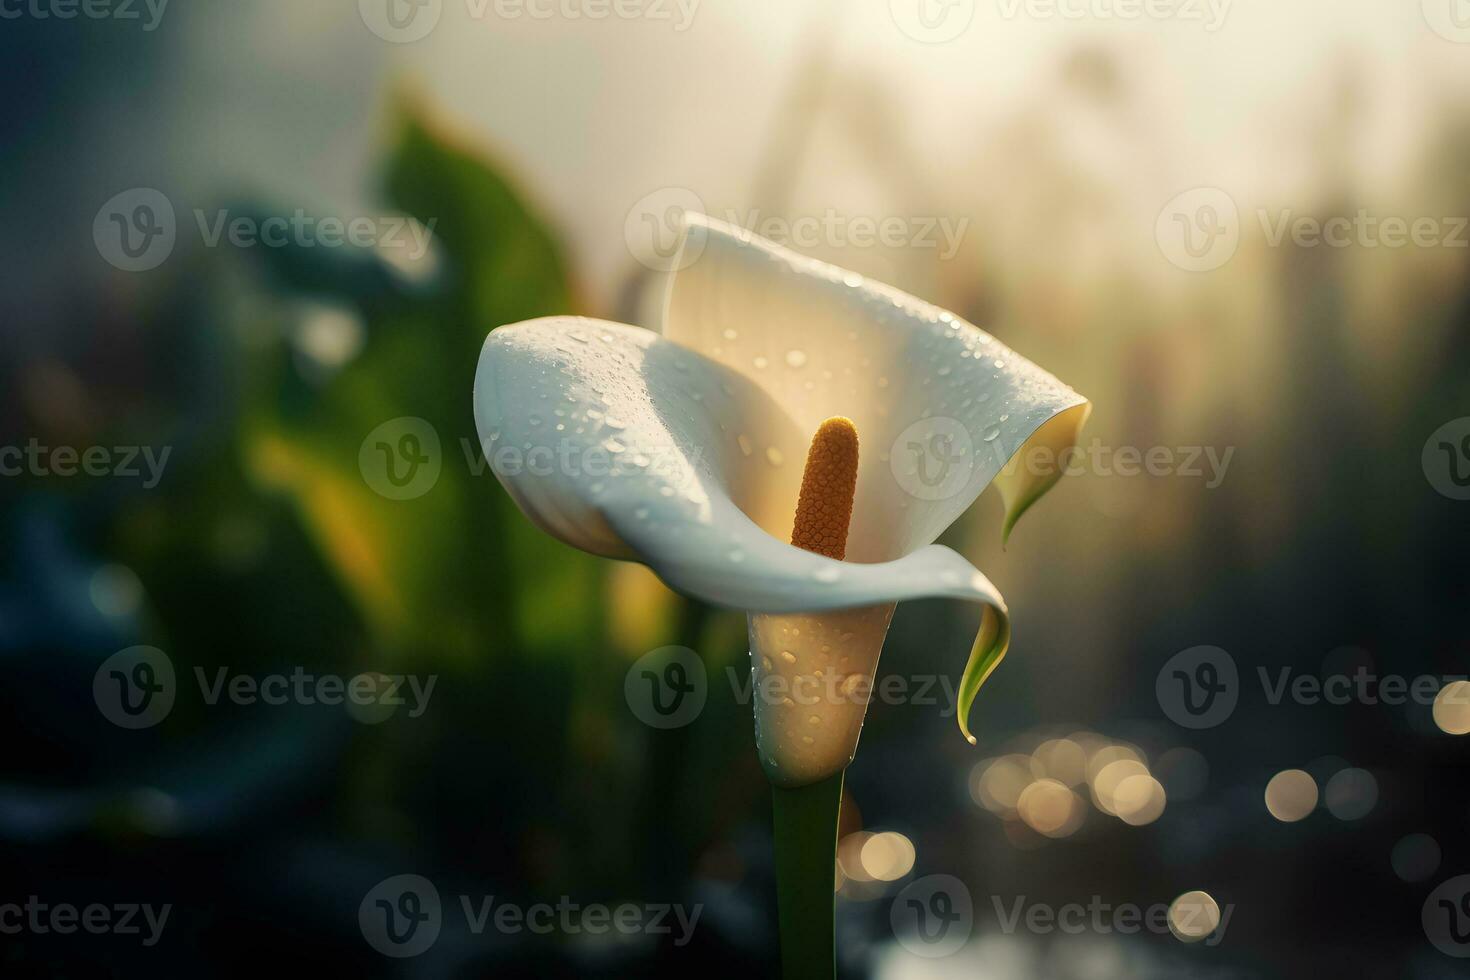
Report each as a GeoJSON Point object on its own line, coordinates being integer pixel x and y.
{"type": "Point", "coordinates": [682, 449]}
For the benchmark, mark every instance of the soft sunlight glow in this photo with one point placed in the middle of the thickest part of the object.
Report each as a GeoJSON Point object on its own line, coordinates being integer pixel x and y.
{"type": "Point", "coordinates": [1049, 807]}
{"type": "Point", "coordinates": [1193, 916]}
{"type": "Point", "coordinates": [887, 856]}
{"type": "Point", "coordinates": [1061, 759]}
{"type": "Point", "coordinates": [1108, 779]}
{"type": "Point", "coordinates": [1139, 800]}
{"type": "Point", "coordinates": [1291, 795]}
{"type": "Point", "coordinates": [1452, 708]}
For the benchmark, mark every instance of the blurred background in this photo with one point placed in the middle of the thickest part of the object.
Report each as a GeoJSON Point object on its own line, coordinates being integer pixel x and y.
{"type": "Point", "coordinates": [243, 237]}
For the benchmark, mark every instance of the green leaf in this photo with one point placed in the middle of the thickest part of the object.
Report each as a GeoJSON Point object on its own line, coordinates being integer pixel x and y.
{"type": "Point", "coordinates": [452, 568]}
{"type": "Point", "coordinates": [989, 650]}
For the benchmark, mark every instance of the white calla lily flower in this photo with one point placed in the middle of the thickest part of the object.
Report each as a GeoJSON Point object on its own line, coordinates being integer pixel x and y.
{"type": "Point", "coordinates": [683, 449]}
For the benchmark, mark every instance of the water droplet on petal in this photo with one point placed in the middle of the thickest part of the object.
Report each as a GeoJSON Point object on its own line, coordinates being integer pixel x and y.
{"type": "Point", "coordinates": [796, 358]}
{"type": "Point", "coordinates": [773, 456]}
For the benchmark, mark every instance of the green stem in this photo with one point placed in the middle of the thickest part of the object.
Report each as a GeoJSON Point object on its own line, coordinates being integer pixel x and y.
{"type": "Point", "coordinates": [806, 864]}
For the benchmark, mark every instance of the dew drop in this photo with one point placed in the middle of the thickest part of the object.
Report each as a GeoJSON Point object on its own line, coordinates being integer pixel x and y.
{"type": "Point", "coordinates": [788, 656]}
{"type": "Point", "coordinates": [760, 363]}
{"type": "Point", "coordinates": [796, 358]}
{"type": "Point", "coordinates": [773, 456]}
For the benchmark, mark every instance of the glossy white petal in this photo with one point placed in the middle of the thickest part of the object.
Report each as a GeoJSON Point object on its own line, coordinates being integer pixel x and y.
{"type": "Point", "coordinates": [622, 443]}
{"type": "Point", "coordinates": [940, 405]}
